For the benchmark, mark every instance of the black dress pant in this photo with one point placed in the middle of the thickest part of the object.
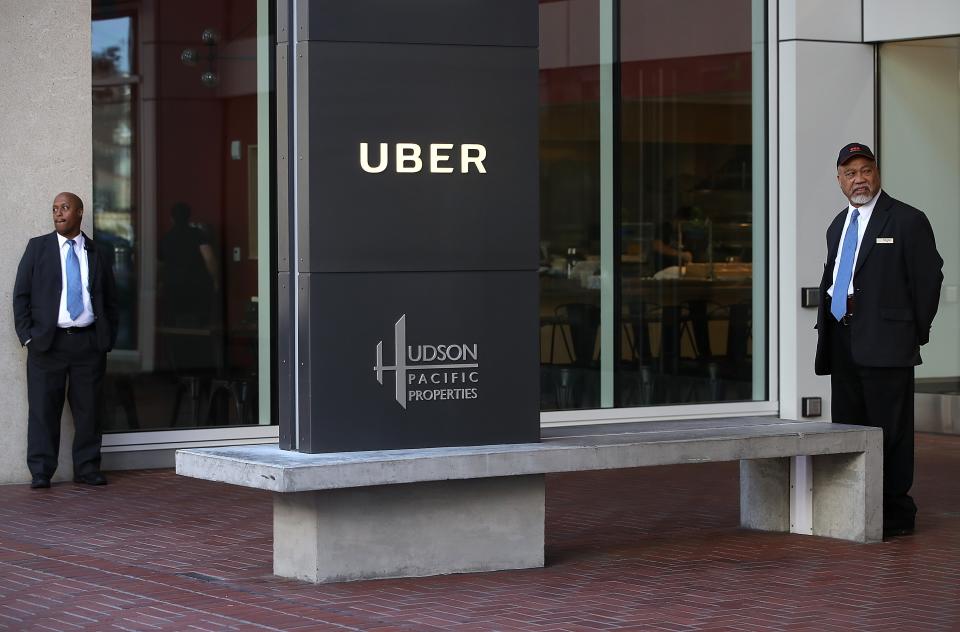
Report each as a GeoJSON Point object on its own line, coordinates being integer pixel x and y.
{"type": "Point", "coordinates": [71, 368]}
{"type": "Point", "coordinates": [881, 397]}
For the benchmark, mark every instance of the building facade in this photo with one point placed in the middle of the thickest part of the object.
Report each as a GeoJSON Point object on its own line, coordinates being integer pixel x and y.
{"type": "Point", "coordinates": [686, 179]}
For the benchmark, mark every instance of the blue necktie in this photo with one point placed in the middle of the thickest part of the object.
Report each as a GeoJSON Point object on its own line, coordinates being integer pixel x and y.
{"type": "Point", "coordinates": [839, 305]}
{"type": "Point", "coordinates": [74, 287]}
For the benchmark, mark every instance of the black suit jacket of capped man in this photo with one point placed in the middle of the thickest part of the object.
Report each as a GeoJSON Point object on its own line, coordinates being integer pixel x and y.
{"type": "Point", "coordinates": [897, 279]}
{"type": "Point", "coordinates": [64, 362]}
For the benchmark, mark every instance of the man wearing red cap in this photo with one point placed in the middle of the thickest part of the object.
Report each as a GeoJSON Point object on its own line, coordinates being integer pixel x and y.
{"type": "Point", "coordinates": [880, 291]}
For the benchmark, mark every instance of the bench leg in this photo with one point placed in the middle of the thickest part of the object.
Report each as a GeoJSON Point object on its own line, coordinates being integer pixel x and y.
{"type": "Point", "coordinates": [765, 494]}
{"type": "Point", "coordinates": [847, 495]}
{"type": "Point", "coordinates": [409, 530]}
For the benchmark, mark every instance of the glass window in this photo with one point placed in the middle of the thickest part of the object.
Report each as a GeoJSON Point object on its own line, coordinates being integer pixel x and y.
{"type": "Point", "coordinates": [112, 40]}
{"type": "Point", "coordinates": [114, 148]}
{"type": "Point", "coordinates": [182, 105]}
{"type": "Point", "coordinates": [653, 201]}
{"type": "Point", "coordinates": [569, 203]}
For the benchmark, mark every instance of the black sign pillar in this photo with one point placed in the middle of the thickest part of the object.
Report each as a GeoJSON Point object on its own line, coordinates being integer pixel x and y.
{"type": "Point", "coordinates": [412, 228]}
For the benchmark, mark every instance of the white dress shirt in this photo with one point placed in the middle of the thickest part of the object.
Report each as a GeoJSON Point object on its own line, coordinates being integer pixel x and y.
{"type": "Point", "coordinates": [86, 317]}
{"type": "Point", "coordinates": [865, 212]}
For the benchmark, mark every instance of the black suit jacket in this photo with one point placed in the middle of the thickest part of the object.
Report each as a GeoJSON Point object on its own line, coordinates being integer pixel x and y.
{"type": "Point", "coordinates": [896, 284]}
{"type": "Point", "coordinates": [36, 293]}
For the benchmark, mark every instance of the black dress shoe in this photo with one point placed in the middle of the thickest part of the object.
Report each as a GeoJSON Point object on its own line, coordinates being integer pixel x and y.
{"type": "Point", "coordinates": [90, 478]}
{"type": "Point", "coordinates": [894, 532]}
{"type": "Point", "coordinates": [39, 481]}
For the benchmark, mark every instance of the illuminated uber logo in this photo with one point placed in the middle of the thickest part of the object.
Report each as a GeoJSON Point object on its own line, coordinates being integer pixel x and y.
{"type": "Point", "coordinates": [429, 373]}
{"type": "Point", "coordinates": [409, 158]}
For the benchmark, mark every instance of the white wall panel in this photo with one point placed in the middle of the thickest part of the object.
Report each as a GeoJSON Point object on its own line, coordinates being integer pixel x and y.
{"type": "Point", "coordinates": [46, 130]}
{"type": "Point", "coordinates": [826, 100]}
{"type": "Point", "coordinates": [834, 20]}
{"type": "Point", "coordinates": [901, 19]}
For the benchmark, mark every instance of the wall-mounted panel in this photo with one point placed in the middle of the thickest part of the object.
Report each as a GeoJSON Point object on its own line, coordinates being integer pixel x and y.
{"type": "Point", "coordinates": [885, 20]}
{"type": "Point", "coordinates": [813, 128]}
{"type": "Point", "coordinates": [833, 20]}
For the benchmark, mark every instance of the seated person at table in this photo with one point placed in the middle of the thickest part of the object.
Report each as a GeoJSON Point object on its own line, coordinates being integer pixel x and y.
{"type": "Point", "coordinates": [666, 248]}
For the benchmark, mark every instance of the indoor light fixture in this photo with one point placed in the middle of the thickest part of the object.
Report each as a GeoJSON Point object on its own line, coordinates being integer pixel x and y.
{"type": "Point", "coordinates": [191, 57]}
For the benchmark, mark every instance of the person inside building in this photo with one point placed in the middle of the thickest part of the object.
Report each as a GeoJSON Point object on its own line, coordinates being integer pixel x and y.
{"type": "Point", "coordinates": [667, 249]}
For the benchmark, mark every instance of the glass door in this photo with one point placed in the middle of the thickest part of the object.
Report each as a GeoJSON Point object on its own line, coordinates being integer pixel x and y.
{"type": "Point", "coordinates": [182, 120]}
{"type": "Point", "coordinates": [919, 155]}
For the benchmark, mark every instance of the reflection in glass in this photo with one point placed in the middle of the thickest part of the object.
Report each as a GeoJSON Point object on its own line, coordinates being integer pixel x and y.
{"type": "Point", "coordinates": [111, 47]}
{"type": "Point", "coordinates": [113, 196]}
{"type": "Point", "coordinates": [173, 198]}
{"type": "Point", "coordinates": [686, 202]}
{"type": "Point", "coordinates": [683, 143]}
{"type": "Point", "coordinates": [569, 204]}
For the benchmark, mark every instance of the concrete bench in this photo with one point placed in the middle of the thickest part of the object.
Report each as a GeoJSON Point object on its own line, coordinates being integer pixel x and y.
{"type": "Point", "coordinates": [394, 513]}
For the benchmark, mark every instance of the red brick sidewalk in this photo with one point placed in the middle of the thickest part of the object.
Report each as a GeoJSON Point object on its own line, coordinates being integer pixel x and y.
{"type": "Point", "coordinates": [647, 549]}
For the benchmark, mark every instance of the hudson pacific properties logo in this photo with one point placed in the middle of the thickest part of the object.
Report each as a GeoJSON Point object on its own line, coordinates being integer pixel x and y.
{"type": "Point", "coordinates": [429, 373]}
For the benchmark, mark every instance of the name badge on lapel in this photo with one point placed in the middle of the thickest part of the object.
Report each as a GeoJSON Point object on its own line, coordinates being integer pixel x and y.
{"type": "Point", "coordinates": [884, 240]}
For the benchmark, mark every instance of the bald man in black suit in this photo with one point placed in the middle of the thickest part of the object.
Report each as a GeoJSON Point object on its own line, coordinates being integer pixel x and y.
{"type": "Point", "coordinates": [881, 289]}
{"type": "Point", "coordinates": [65, 313]}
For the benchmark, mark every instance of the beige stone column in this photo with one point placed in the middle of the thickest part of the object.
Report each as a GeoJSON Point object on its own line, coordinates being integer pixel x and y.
{"type": "Point", "coordinates": [45, 136]}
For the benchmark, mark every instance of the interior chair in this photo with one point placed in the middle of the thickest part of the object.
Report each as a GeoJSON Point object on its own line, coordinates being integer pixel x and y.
{"type": "Point", "coordinates": [573, 381]}
{"type": "Point", "coordinates": [637, 382]}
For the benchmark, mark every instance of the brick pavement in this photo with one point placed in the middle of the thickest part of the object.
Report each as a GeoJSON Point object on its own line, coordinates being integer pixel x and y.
{"type": "Point", "coordinates": [645, 549]}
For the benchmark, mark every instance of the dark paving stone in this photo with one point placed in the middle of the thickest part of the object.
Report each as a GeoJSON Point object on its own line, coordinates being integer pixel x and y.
{"type": "Point", "coordinates": [644, 549]}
